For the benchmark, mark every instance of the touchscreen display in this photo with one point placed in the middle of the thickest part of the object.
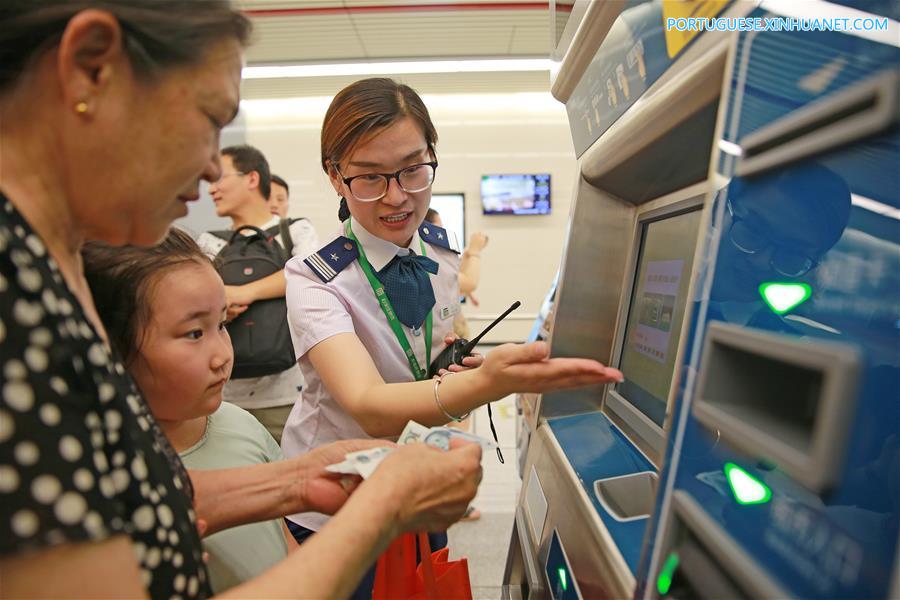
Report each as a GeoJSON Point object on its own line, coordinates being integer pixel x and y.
{"type": "Point", "coordinates": [656, 312]}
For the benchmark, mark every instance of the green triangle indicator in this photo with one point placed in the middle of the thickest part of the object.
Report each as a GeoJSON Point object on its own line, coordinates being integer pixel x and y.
{"type": "Point", "coordinates": [746, 488]}
{"type": "Point", "coordinates": [562, 578]}
{"type": "Point", "coordinates": [782, 297]}
{"type": "Point", "coordinates": [664, 581]}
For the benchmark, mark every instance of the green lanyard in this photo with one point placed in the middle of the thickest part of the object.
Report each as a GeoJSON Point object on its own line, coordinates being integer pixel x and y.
{"type": "Point", "coordinates": [388, 310]}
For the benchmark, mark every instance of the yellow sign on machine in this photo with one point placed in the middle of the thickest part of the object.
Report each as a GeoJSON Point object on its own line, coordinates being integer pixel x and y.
{"type": "Point", "coordinates": [687, 9]}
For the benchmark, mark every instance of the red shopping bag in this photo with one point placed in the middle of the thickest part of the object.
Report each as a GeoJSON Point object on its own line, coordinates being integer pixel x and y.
{"type": "Point", "coordinates": [398, 578]}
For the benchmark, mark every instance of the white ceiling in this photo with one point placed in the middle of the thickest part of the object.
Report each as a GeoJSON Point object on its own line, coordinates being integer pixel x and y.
{"type": "Point", "coordinates": [312, 31]}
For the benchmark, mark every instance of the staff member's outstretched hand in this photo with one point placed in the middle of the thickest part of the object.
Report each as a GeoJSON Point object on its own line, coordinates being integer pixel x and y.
{"type": "Point", "coordinates": [526, 368]}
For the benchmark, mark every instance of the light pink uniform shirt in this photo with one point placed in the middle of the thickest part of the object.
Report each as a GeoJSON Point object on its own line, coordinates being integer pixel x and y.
{"type": "Point", "coordinates": [347, 304]}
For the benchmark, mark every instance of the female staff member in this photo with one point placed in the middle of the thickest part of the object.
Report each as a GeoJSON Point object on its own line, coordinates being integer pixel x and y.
{"type": "Point", "coordinates": [371, 309]}
{"type": "Point", "coordinates": [111, 112]}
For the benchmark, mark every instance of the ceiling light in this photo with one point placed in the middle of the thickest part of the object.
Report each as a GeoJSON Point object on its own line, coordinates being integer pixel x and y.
{"type": "Point", "coordinates": [396, 68]}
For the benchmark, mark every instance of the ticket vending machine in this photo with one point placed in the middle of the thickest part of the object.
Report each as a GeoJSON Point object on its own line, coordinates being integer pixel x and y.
{"type": "Point", "coordinates": [733, 248]}
{"type": "Point", "coordinates": [642, 110]}
{"type": "Point", "coordinates": [782, 474]}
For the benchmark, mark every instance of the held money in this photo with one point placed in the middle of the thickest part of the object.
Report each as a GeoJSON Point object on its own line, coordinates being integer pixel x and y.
{"type": "Point", "coordinates": [364, 462]}
{"type": "Point", "coordinates": [439, 437]}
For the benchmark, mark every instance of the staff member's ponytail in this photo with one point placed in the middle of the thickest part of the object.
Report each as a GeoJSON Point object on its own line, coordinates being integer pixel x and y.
{"type": "Point", "coordinates": [343, 210]}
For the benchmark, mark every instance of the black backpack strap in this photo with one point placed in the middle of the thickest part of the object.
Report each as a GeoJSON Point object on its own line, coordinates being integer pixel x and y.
{"type": "Point", "coordinates": [230, 235]}
{"type": "Point", "coordinates": [284, 226]}
{"type": "Point", "coordinates": [224, 235]}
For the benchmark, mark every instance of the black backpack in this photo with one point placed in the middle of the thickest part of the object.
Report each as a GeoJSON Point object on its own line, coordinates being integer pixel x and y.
{"type": "Point", "coordinates": [260, 335]}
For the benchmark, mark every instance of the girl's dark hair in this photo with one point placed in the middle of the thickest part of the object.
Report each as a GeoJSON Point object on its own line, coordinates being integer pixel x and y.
{"type": "Point", "coordinates": [157, 34]}
{"type": "Point", "coordinates": [122, 279]}
{"type": "Point", "coordinates": [363, 109]}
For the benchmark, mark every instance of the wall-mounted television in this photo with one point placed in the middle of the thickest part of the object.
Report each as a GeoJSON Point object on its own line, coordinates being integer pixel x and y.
{"type": "Point", "coordinates": [515, 194]}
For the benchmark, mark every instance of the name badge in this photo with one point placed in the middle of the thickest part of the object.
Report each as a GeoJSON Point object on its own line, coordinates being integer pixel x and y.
{"type": "Point", "coordinates": [450, 311]}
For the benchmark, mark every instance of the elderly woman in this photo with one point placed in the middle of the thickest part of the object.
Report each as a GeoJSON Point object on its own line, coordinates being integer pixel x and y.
{"type": "Point", "coordinates": [110, 113]}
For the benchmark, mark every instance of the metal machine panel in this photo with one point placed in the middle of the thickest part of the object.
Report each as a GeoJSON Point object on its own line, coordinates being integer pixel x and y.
{"type": "Point", "coordinates": [593, 556]}
{"type": "Point", "coordinates": [635, 53]}
{"type": "Point", "coordinates": [589, 291]}
{"type": "Point", "coordinates": [807, 250]}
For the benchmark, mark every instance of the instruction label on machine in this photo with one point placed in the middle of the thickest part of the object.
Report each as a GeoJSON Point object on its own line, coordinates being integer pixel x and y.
{"type": "Point", "coordinates": [687, 9]}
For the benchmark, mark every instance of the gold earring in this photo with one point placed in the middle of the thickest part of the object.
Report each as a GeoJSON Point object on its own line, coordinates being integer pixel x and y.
{"type": "Point", "coordinates": [81, 107]}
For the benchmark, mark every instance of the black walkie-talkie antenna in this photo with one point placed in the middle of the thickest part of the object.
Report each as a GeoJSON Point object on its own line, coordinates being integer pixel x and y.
{"type": "Point", "coordinates": [467, 349]}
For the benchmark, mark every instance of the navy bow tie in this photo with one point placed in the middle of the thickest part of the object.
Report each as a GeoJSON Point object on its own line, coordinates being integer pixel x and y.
{"type": "Point", "coordinates": [408, 287]}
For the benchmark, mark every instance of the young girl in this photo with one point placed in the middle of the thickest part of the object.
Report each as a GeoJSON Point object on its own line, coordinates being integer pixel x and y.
{"type": "Point", "coordinates": [373, 308]}
{"type": "Point", "coordinates": [164, 310]}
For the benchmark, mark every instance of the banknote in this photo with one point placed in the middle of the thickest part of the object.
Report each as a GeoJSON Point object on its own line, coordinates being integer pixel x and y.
{"type": "Point", "coordinates": [364, 462]}
{"type": "Point", "coordinates": [367, 461]}
{"type": "Point", "coordinates": [346, 467]}
{"type": "Point", "coordinates": [440, 437]}
{"type": "Point", "coordinates": [413, 432]}
{"type": "Point", "coordinates": [355, 463]}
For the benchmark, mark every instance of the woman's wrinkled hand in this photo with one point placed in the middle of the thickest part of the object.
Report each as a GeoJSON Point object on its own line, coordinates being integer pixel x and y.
{"type": "Point", "coordinates": [431, 489]}
{"type": "Point", "coordinates": [324, 491]}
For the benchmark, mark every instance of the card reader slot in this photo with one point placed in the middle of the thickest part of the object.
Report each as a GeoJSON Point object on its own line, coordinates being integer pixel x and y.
{"type": "Point", "coordinates": [529, 557]}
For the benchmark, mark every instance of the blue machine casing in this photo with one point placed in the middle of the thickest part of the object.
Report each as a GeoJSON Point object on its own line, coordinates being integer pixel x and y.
{"type": "Point", "coordinates": [837, 206]}
{"type": "Point", "coordinates": [610, 454]}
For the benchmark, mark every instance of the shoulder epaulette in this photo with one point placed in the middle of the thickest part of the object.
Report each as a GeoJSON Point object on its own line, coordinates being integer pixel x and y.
{"type": "Point", "coordinates": [438, 236]}
{"type": "Point", "coordinates": [331, 259]}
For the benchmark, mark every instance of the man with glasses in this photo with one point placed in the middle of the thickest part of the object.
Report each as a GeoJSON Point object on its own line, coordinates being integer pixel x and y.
{"type": "Point", "coordinates": [776, 228]}
{"type": "Point", "coordinates": [241, 194]}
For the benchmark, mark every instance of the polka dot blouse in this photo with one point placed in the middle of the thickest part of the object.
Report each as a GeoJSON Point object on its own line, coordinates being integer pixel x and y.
{"type": "Point", "coordinates": [81, 458]}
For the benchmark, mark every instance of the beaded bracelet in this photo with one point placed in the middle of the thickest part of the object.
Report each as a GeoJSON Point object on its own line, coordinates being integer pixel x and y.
{"type": "Point", "coordinates": [437, 399]}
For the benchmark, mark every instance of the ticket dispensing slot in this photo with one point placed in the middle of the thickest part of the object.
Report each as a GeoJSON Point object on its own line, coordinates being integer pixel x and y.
{"type": "Point", "coordinates": [700, 560]}
{"type": "Point", "coordinates": [628, 497]}
{"type": "Point", "coordinates": [862, 109]}
{"type": "Point", "coordinates": [778, 397]}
